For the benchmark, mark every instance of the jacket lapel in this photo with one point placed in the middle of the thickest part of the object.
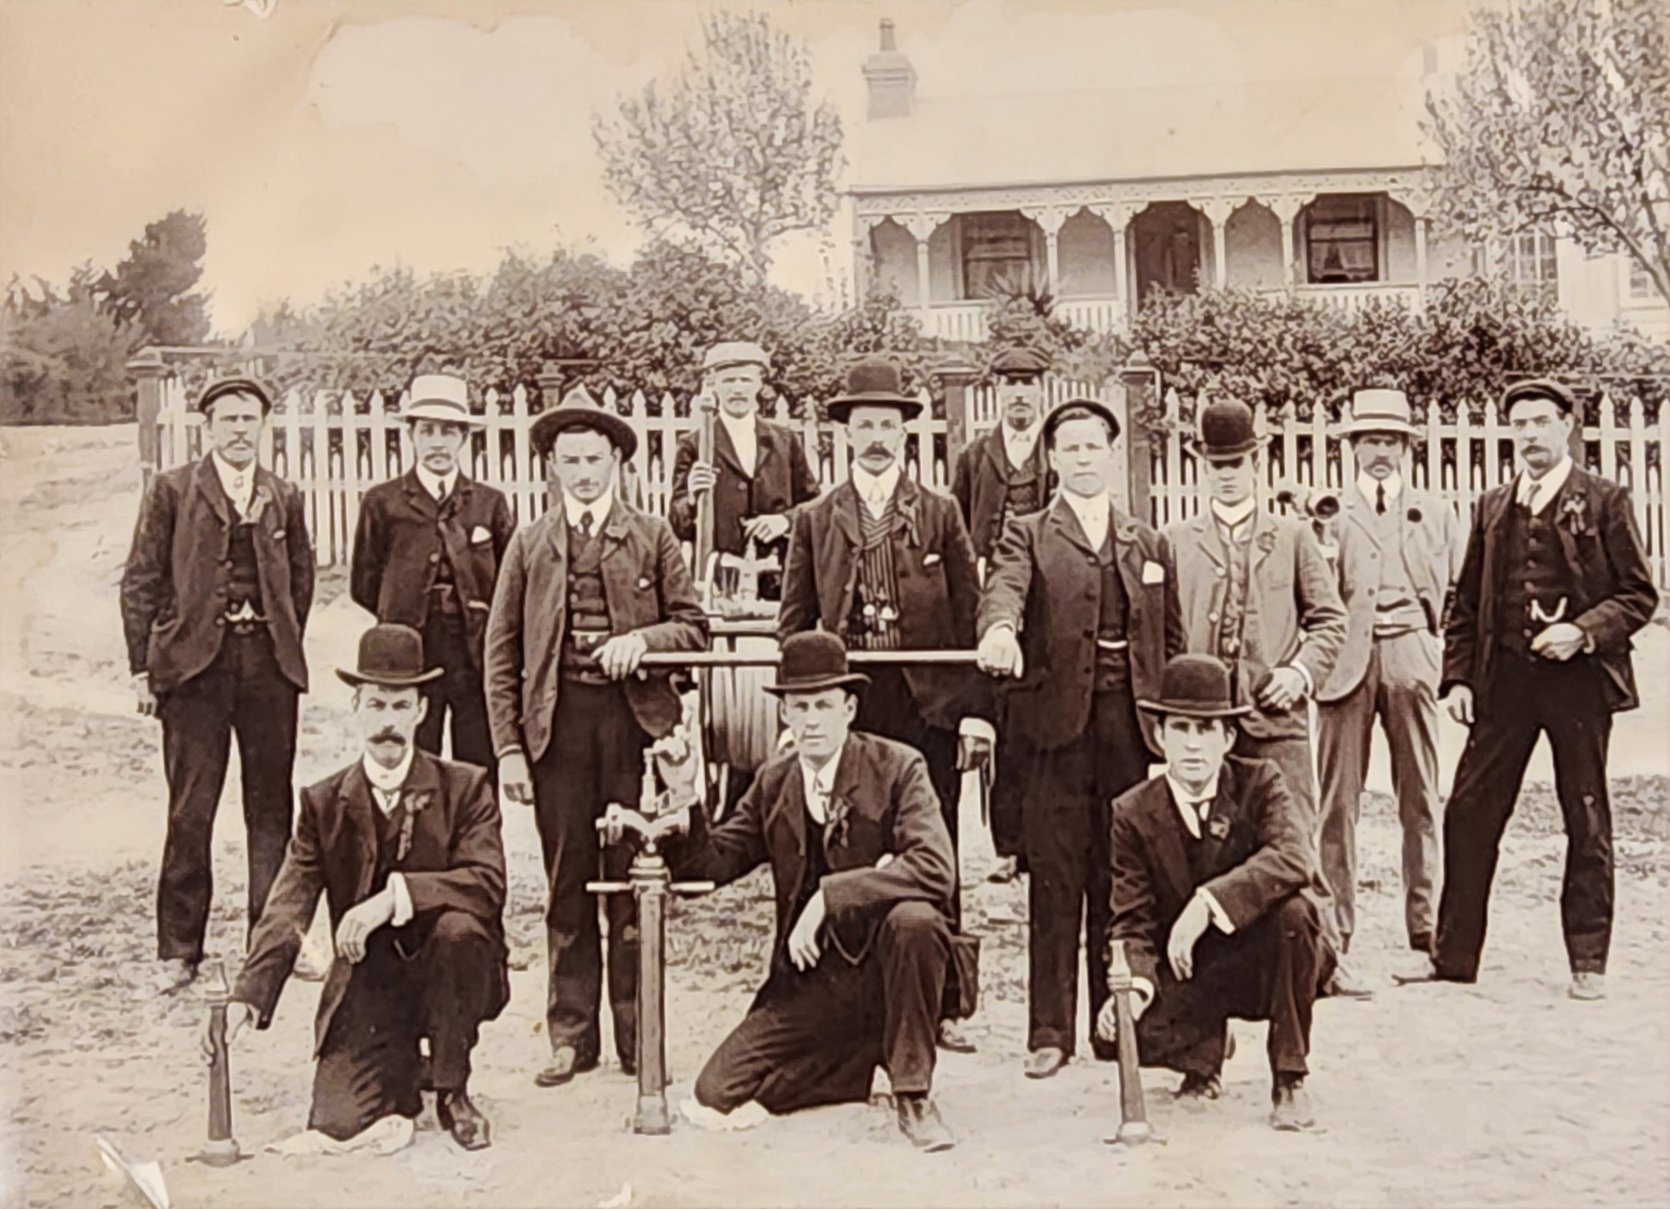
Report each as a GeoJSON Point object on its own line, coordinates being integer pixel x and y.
{"type": "Point", "coordinates": [1166, 827]}
{"type": "Point", "coordinates": [1066, 522]}
{"type": "Point", "coordinates": [615, 571]}
{"type": "Point", "coordinates": [997, 455]}
{"type": "Point", "coordinates": [208, 482]}
{"type": "Point", "coordinates": [1262, 523]}
{"type": "Point", "coordinates": [1208, 538]}
{"type": "Point", "coordinates": [1220, 820]}
{"type": "Point", "coordinates": [724, 449]}
{"type": "Point", "coordinates": [418, 497]}
{"type": "Point", "coordinates": [358, 828]}
{"type": "Point", "coordinates": [1361, 515]}
{"type": "Point", "coordinates": [843, 507]}
{"type": "Point", "coordinates": [1574, 488]}
{"type": "Point", "coordinates": [420, 794]}
{"type": "Point", "coordinates": [1128, 554]}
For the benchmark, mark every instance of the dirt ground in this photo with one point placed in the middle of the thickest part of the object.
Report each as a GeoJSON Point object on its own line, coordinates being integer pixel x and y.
{"type": "Point", "coordinates": [1503, 1093]}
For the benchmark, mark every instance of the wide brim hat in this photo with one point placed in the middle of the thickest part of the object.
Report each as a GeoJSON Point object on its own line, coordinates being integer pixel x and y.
{"type": "Point", "coordinates": [812, 662]}
{"type": "Point", "coordinates": [1078, 409]}
{"type": "Point", "coordinates": [1020, 362]}
{"type": "Point", "coordinates": [390, 656]}
{"type": "Point", "coordinates": [730, 353]}
{"type": "Point", "coordinates": [578, 411]}
{"type": "Point", "coordinates": [440, 397]}
{"type": "Point", "coordinates": [1378, 409]}
{"type": "Point", "coordinates": [1225, 430]}
{"type": "Point", "coordinates": [239, 385]}
{"type": "Point", "coordinates": [873, 383]}
{"type": "Point", "coordinates": [1557, 393]}
{"type": "Point", "coordinates": [1194, 686]}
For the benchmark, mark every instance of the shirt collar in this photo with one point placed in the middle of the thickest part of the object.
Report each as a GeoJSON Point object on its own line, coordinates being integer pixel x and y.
{"type": "Point", "coordinates": [876, 488]}
{"type": "Point", "coordinates": [437, 485]}
{"type": "Point", "coordinates": [820, 786]}
{"type": "Point", "coordinates": [1234, 514]}
{"type": "Point", "coordinates": [1393, 483]}
{"type": "Point", "coordinates": [1090, 509]}
{"type": "Point", "coordinates": [387, 780]}
{"type": "Point", "coordinates": [745, 426]}
{"type": "Point", "coordinates": [1022, 440]}
{"type": "Point", "coordinates": [1548, 485]}
{"type": "Point", "coordinates": [1188, 804]}
{"type": "Point", "coordinates": [230, 475]}
{"type": "Point", "coordinates": [599, 509]}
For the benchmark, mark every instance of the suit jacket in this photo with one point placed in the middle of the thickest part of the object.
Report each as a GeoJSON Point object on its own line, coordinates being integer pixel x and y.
{"type": "Point", "coordinates": [1431, 553]}
{"type": "Point", "coordinates": [939, 588]}
{"type": "Point", "coordinates": [401, 537]}
{"type": "Point", "coordinates": [981, 487]}
{"type": "Point", "coordinates": [456, 863]}
{"type": "Point", "coordinates": [1614, 591]}
{"type": "Point", "coordinates": [1262, 855]}
{"type": "Point", "coordinates": [890, 809]}
{"type": "Point", "coordinates": [783, 479]}
{"type": "Point", "coordinates": [648, 591]}
{"type": "Point", "coordinates": [1293, 615]}
{"type": "Point", "coordinates": [1045, 580]}
{"type": "Point", "coordinates": [175, 584]}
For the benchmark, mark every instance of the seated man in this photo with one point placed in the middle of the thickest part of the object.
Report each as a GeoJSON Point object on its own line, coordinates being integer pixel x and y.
{"type": "Point", "coordinates": [406, 848]}
{"type": "Point", "coordinates": [861, 859]}
{"type": "Point", "coordinates": [1213, 868]}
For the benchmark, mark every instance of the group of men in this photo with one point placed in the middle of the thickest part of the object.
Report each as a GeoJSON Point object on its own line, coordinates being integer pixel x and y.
{"type": "Point", "coordinates": [1102, 647]}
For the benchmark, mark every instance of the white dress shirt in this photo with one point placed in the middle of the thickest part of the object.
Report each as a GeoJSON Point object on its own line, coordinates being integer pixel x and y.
{"type": "Point", "coordinates": [820, 787]}
{"type": "Point", "coordinates": [385, 789]}
{"type": "Point", "coordinates": [599, 509]}
{"type": "Point", "coordinates": [1233, 516]}
{"type": "Point", "coordinates": [874, 490]}
{"type": "Point", "coordinates": [438, 486]}
{"type": "Point", "coordinates": [1370, 488]}
{"type": "Point", "coordinates": [1536, 492]}
{"type": "Point", "coordinates": [1019, 444]}
{"type": "Point", "coordinates": [1094, 513]}
{"type": "Point", "coordinates": [744, 434]}
{"type": "Point", "coordinates": [238, 483]}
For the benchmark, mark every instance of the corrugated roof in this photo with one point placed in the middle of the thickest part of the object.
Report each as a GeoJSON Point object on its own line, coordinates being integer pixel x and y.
{"type": "Point", "coordinates": [1182, 130]}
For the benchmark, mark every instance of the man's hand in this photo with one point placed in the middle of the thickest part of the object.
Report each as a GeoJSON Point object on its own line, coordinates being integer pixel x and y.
{"type": "Point", "coordinates": [238, 1016]}
{"type": "Point", "coordinates": [1460, 704]}
{"type": "Point", "coordinates": [145, 700]}
{"type": "Point", "coordinates": [1560, 642]}
{"type": "Point", "coordinates": [675, 759]}
{"type": "Point", "coordinates": [1284, 689]}
{"type": "Point", "coordinates": [361, 921]}
{"type": "Point", "coordinates": [1107, 1020]}
{"type": "Point", "coordinates": [1191, 925]}
{"type": "Point", "coordinates": [620, 656]}
{"type": "Point", "coordinates": [702, 478]}
{"type": "Point", "coordinates": [515, 781]}
{"type": "Point", "coordinates": [803, 941]}
{"type": "Point", "coordinates": [767, 528]}
{"type": "Point", "coordinates": [1000, 652]}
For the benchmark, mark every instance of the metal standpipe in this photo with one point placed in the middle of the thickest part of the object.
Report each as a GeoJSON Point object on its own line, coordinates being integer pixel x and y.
{"type": "Point", "coordinates": [221, 1148]}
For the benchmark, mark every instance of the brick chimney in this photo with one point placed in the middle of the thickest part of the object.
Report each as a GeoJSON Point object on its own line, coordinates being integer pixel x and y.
{"type": "Point", "coordinates": [890, 78]}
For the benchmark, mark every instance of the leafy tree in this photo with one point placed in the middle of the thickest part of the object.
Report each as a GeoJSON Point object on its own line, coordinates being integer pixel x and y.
{"type": "Point", "coordinates": [733, 152]}
{"type": "Point", "coordinates": [63, 356]}
{"type": "Point", "coordinates": [151, 290]}
{"type": "Point", "coordinates": [1560, 122]}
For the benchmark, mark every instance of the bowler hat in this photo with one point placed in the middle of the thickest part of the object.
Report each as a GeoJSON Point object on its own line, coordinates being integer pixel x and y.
{"type": "Point", "coordinates": [1556, 393]}
{"type": "Point", "coordinates": [391, 656]}
{"type": "Point", "coordinates": [728, 353]}
{"type": "Point", "coordinates": [1079, 409]}
{"type": "Point", "coordinates": [221, 387]}
{"type": "Point", "coordinates": [1019, 362]}
{"type": "Point", "coordinates": [813, 661]}
{"type": "Point", "coordinates": [873, 382]}
{"type": "Point", "coordinates": [442, 397]}
{"type": "Point", "coordinates": [1377, 409]}
{"type": "Point", "coordinates": [578, 411]}
{"type": "Point", "coordinates": [1225, 431]}
{"type": "Point", "coordinates": [1195, 686]}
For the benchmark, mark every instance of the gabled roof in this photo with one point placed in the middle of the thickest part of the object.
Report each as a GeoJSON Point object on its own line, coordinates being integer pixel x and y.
{"type": "Point", "coordinates": [1185, 130]}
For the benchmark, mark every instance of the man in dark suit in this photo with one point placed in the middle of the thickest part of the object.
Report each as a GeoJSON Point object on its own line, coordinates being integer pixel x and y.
{"type": "Point", "coordinates": [1006, 474]}
{"type": "Point", "coordinates": [1214, 867]}
{"type": "Point", "coordinates": [1080, 609]}
{"type": "Point", "coordinates": [426, 554]}
{"type": "Point", "coordinates": [214, 599]}
{"type": "Point", "coordinates": [406, 850]}
{"type": "Point", "coordinates": [864, 874]}
{"type": "Point", "coordinates": [760, 473]}
{"type": "Point", "coordinates": [585, 592]}
{"type": "Point", "coordinates": [1553, 584]}
{"type": "Point", "coordinates": [886, 564]}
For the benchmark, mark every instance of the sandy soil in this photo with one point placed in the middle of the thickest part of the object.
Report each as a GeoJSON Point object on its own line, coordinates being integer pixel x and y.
{"type": "Point", "coordinates": [1504, 1093]}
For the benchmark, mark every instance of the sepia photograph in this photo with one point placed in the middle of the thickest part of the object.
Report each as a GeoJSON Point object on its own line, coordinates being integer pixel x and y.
{"type": "Point", "coordinates": [642, 604]}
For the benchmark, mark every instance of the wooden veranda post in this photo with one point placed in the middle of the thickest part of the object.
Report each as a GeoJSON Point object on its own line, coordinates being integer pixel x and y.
{"type": "Point", "coordinates": [147, 369]}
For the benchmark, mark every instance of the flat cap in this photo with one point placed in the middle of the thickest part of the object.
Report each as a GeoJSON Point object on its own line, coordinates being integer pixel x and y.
{"type": "Point", "coordinates": [1019, 361]}
{"type": "Point", "coordinates": [221, 387]}
{"type": "Point", "coordinates": [1556, 393]}
{"type": "Point", "coordinates": [735, 352]}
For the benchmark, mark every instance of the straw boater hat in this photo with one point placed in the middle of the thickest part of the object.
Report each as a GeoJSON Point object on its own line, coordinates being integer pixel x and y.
{"type": "Point", "coordinates": [1225, 431]}
{"type": "Point", "coordinates": [812, 661]}
{"type": "Point", "coordinates": [1020, 363]}
{"type": "Point", "coordinates": [1079, 409]}
{"type": "Point", "coordinates": [577, 411]}
{"type": "Point", "coordinates": [221, 387]}
{"type": "Point", "coordinates": [440, 397]}
{"type": "Point", "coordinates": [729, 353]}
{"type": "Point", "coordinates": [873, 383]}
{"type": "Point", "coordinates": [391, 656]}
{"type": "Point", "coordinates": [1377, 409]}
{"type": "Point", "coordinates": [1195, 686]}
{"type": "Point", "coordinates": [1556, 393]}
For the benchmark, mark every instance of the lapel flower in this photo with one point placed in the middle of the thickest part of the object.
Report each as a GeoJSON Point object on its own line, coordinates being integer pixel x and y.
{"type": "Point", "coordinates": [1266, 541]}
{"type": "Point", "coordinates": [258, 504]}
{"type": "Point", "coordinates": [414, 804]}
{"type": "Point", "coordinates": [1217, 826]}
{"type": "Point", "coordinates": [1574, 514]}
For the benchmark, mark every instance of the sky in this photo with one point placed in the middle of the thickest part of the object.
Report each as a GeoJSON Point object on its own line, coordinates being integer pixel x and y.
{"type": "Point", "coordinates": [333, 136]}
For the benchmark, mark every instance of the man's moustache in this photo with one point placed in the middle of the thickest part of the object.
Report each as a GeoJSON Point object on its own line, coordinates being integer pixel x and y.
{"type": "Point", "coordinates": [389, 736]}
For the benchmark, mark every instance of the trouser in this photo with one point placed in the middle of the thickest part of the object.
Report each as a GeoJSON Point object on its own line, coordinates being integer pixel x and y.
{"type": "Point", "coordinates": [1015, 760]}
{"type": "Point", "coordinates": [1529, 697]}
{"type": "Point", "coordinates": [242, 692]}
{"type": "Point", "coordinates": [816, 1037]}
{"type": "Point", "coordinates": [1070, 884]}
{"type": "Point", "coordinates": [457, 692]}
{"type": "Point", "coordinates": [1398, 689]}
{"type": "Point", "coordinates": [1292, 755]}
{"type": "Point", "coordinates": [442, 987]}
{"type": "Point", "coordinates": [1270, 970]}
{"type": "Point", "coordinates": [595, 757]}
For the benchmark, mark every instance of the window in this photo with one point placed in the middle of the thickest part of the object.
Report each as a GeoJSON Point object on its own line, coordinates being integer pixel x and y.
{"type": "Point", "coordinates": [1342, 239]}
{"type": "Point", "coordinates": [1530, 262]}
{"type": "Point", "coordinates": [1641, 288]}
{"type": "Point", "coordinates": [997, 251]}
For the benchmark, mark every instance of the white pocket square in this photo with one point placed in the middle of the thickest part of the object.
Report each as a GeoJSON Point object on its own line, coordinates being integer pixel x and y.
{"type": "Point", "coordinates": [643, 582]}
{"type": "Point", "coordinates": [1153, 573]}
{"type": "Point", "coordinates": [930, 559]}
{"type": "Point", "coordinates": [480, 534]}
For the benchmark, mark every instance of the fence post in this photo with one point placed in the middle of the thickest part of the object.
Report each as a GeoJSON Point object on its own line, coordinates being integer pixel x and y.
{"type": "Point", "coordinates": [147, 369]}
{"type": "Point", "coordinates": [1142, 400]}
{"type": "Point", "coordinates": [952, 381]}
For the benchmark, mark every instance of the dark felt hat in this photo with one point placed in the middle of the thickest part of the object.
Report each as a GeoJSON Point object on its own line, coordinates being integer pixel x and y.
{"type": "Point", "coordinates": [578, 411]}
{"type": "Point", "coordinates": [1079, 409]}
{"type": "Point", "coordinates": [813, 661]}
{"type": "Point", "coordinates": [1019, 362]}
{"type": "Point", "coordinates": [1195, 686]}
{"type": "Point", "coordinates": [873, 383]}
{"type": "Point", "coordinates": [221, 387]}
{"type": "Point", "coordinates": [390, 656]}
{"type": "Point", "coordinates": [1225, 431]}
{"type": "Point", "coordinates": [1556, 393]}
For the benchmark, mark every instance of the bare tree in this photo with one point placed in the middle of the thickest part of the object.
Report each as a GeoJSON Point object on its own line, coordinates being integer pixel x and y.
{"type": "Point", "coordinates": [1560, 123]}
{"type": "Point", "coordinates": [733, 151]}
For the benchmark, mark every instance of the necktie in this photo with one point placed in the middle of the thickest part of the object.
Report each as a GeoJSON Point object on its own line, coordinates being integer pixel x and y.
{"type": "Point", "coordinates": [1201, 809]}
{"type": "Point", "coordinates": [1380, 498]}
{"type": "Point", "coordinates": [585, 523]}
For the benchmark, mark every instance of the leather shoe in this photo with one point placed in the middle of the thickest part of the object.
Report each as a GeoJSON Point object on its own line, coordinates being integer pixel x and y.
{"type": "Point", "coordinates": [174, 974]}
{"type": "Point", "coordinates": [469, 1128]}
{"type": "Point", "coordinates": [952, 1038]}
{"type": "Point", "coordinates": [565, 1064]}
{"type": "Point", "coordinates": [1588, 985]}
{"type": "Point", "coordinates": [919, 1120]}
{"type": "Point", "coordinates": [1008, 869]}
{"type": "Point", "coordinates": [1290, 1109]}
{"type": "Point", "coordinates": [1196, 1086]}
{"type": "Point", "coordinates": [629, 1067]}
{"type": "Point", "coordinates": [1042, 1063]}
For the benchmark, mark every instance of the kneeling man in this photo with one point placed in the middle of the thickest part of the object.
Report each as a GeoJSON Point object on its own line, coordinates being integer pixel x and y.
{"type": "Point", "coordinates": [1214, 868]}
{"type": "Point", "coordinates": [406, 849]}
{"type": "Point", "coordinates": [861, 859]}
